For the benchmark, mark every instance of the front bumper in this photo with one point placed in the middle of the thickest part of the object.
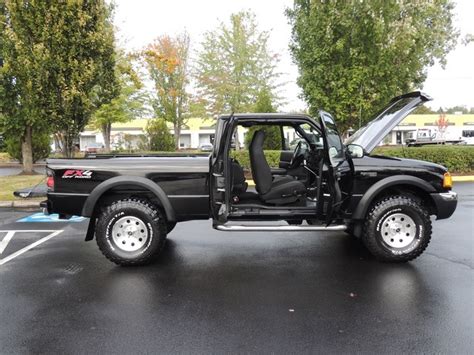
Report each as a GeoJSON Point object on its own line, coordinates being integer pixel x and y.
{"type": "Point", "coordinates": [446, 203]}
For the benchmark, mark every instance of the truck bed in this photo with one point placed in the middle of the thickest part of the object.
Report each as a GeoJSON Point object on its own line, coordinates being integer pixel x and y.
{"type": "Point", "coordinates": [184, 179]}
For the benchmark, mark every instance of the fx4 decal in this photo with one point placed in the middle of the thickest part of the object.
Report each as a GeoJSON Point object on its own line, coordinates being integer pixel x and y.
{"type": "Point", "coordinates": [77, 174]}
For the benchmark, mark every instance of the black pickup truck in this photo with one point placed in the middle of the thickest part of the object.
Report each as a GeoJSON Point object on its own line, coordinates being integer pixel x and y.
{"type": "Point", "coordinates": [321, 185]}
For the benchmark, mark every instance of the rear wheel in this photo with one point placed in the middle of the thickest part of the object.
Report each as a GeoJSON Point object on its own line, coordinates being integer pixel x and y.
{"type": "Point", "coordinates": [131, 232]}
{"type": "Point", "coordinates": [397, 229]}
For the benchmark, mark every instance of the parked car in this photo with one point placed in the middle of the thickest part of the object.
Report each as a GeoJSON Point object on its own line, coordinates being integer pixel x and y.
{"type": "Point", "coordinates": [134, 202]}
{"type": "Point", "coordinates": [206, 147]}
{"type": "Point", "coordinates": [93, 148]}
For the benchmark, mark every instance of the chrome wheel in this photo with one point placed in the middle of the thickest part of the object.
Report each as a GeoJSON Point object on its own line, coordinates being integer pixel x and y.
{"type": "Point", "coordinates": [129, 233]}
{"type": "Point", "coordinates": [398, 230]}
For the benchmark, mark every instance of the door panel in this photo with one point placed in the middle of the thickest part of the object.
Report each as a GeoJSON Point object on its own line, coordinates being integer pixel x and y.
{"type": "Point", "coordinates": [219, 170]}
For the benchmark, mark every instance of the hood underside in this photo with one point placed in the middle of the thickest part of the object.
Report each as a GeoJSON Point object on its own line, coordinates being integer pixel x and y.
{"type": "Point", "coordinates": [370, 136]}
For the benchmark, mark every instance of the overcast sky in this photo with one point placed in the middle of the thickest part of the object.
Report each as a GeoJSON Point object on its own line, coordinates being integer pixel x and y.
{"type": "Point", "coordinates": [140, 21]}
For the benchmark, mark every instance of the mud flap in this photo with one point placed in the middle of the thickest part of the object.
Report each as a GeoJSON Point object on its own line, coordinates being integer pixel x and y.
{"type": "Point", "coordinates": [90, 229]}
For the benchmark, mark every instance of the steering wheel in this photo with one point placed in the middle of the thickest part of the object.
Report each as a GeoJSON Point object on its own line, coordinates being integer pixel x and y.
{"type": "Point", "coordinates": [298, 155]}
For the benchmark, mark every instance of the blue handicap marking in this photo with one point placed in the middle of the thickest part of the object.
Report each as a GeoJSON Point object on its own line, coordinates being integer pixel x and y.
{"type": "Point", "coordinates": [41, 217]}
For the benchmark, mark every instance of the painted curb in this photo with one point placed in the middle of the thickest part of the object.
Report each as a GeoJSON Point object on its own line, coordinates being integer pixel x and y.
{"type": "Point", "coordinates": [20, 204]}
{"type": "Point", "coordinates": [26, 204]}
{"type": "Point", "coordinates": [467, 178]}
{"type": "Point", "coordinates": [17, 165]}
{"type": "Point", "coordinates": [6, 204]}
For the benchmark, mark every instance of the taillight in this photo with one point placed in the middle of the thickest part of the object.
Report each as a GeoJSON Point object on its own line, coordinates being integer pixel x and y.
{"type": "Point", "coordinates": [50, 183]}
{"type": "Point", "coordinates": [447, 180]}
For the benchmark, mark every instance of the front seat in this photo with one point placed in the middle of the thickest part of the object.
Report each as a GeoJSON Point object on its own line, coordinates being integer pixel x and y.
{"type": "Point", "coordinates": [279, 191]}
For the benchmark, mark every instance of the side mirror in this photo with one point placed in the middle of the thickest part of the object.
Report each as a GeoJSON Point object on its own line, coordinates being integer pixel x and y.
{"type": "Point", "coordinates": [356, 151]}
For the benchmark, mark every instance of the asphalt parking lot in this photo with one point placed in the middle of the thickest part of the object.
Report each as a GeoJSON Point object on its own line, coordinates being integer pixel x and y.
{"type": "Point", "coordinates": [217, 292]}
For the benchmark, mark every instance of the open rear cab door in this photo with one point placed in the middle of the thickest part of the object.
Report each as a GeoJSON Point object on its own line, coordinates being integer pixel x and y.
{"type": "Point", "coordinates": [219, 162]}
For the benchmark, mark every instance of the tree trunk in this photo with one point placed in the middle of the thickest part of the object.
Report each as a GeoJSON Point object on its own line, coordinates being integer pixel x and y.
{"type": "Point", "coordinates": [106, 129]}
{"type": "Point", "coordinates": [58, 142]}
{"type": "Point", "coordinates": [62, 143]}
{"type": "Point", "coordinates": [177, 134]}
{"type": "Point", "coordinates": [69, 148]}
{"type": "Point", "coordinates": [27, 151]}
{"type": "Point", "coordinates": [67, 145]}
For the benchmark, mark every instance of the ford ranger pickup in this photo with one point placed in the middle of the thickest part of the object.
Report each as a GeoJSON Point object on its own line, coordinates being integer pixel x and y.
{"type": "Point", "coordinates": [323, 184]}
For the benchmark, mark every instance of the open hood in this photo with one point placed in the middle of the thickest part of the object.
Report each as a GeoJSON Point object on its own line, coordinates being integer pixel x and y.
{"type": "Point", "coordinates": [375, 131]}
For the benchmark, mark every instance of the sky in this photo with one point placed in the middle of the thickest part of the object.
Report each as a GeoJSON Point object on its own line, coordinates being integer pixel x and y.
{"type": "Point", "coordinates": [140, 21]}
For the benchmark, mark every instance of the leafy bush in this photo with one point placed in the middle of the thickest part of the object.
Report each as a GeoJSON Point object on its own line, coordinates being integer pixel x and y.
{"type": "Point", "coordinates": [272, 137]}
{"type": "Point", "coordinates": [458, 159]}
{"type": "Point", "coordinates": [41, 147]}
{"type": "Point", "coordinates": [242, 156]}
{"type": "Point", "coordinates": [159, 136]}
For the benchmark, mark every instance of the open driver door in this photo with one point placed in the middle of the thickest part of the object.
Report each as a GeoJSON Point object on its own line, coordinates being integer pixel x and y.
{"type": "Point", "coordinates": [338, 168]}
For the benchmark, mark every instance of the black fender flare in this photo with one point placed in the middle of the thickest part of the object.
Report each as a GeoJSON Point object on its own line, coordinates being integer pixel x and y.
{"type": "Point", "coordinates": [99, 190]}
{"type": "Point", "coordinates": [366, 200]}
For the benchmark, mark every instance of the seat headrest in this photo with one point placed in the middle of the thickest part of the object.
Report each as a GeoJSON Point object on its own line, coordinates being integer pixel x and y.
{"type": "Point", "coordinates": [258, 137]}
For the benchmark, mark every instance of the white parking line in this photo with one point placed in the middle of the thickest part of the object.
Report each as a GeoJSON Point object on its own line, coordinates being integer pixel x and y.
{"type": "Point", "coordinates": [11, 233]}
{"type": "Point", "coordinates": [5, 241]}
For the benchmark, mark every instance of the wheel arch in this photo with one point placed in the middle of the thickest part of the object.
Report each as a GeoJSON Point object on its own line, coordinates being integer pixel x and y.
{"type": "Point", "coordinates": [141, 182]}
{"type": "Point", "coordinates": [396, 184]}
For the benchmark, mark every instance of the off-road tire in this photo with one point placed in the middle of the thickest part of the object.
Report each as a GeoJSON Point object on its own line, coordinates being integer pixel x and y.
{"type": "Point", "coordinates": [154, 229]}
{"type": "Point", "coordinates": [381, 212]}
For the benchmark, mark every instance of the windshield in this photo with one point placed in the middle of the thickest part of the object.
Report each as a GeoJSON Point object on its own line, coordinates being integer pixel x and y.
{"type": "Point", "coordinates": [312, 135]}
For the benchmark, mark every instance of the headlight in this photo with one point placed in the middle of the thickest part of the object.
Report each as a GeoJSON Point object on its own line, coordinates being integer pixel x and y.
{"type": "Point", "coordinates": [447, 180]}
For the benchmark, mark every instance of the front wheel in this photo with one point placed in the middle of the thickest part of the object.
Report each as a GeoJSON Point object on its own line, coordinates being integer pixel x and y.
{"type": "Point", "coordinates": [397, 229]}
{"type": "Point", "coordinates": [131, 232]}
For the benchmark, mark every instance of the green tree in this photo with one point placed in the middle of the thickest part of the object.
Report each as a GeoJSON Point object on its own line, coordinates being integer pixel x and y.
{"type": "Point", "coordinates": [159, 136]}
{"type": "Point", "coordinates": [354, 56]}
{"type": "Point", "coordinates": [119, 97]}
{"type": "Point", "coordinates": [462, 109]}
{"type": "Point", "coordinates": [234, 65]}
{"type": "Point", "coordinates": [20, 112]}
{"type": "Point", "coordinates": [41, 145]}
{"type": "Point", "coordinates": [272, 133]}
{"type": "Point", "coordinates": [167, 62]}
{"type": "Point", "coordinates": [2, 41]}
{"type": "Point", "coordinates": [54, 54]}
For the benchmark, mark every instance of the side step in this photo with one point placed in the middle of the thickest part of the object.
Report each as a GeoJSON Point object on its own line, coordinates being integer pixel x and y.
{"type": "Point", "coordinates": [289, 228]}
